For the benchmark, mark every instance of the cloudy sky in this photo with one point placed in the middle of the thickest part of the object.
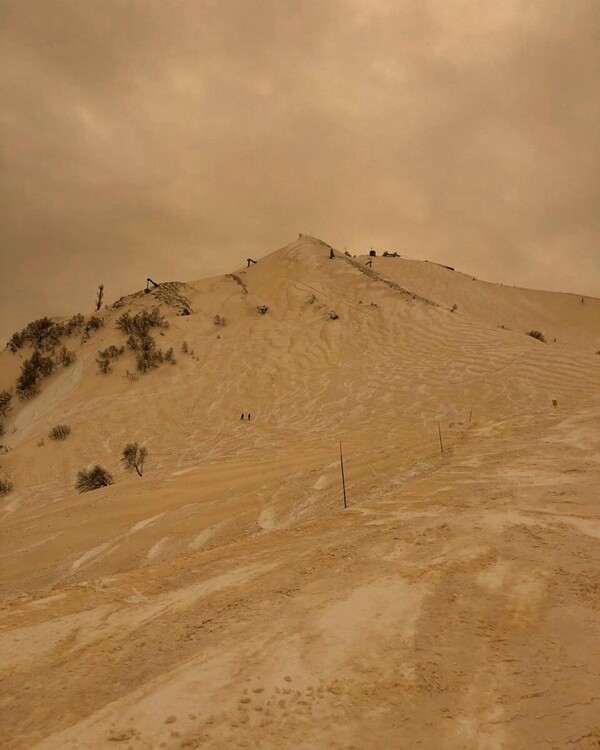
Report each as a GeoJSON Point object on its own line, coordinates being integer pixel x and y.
{"type": "Point", "coordinates": [174, 138]}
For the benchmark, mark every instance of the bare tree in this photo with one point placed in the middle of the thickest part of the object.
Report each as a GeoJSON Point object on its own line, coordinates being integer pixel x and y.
{"type": "Point", "coordinates": [100, 297]}
{"type": "Point", "coordinates": [133, 457]}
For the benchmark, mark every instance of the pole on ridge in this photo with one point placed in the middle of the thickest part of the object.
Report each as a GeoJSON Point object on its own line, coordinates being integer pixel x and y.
{"type": "Point", "coordinates": [440, 434]}
{"type": "Point", "coordinates": [343, 479]}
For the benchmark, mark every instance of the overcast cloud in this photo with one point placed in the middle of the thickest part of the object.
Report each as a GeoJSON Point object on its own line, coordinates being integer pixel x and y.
{"type": "Point", "coordinates": [173, 139]}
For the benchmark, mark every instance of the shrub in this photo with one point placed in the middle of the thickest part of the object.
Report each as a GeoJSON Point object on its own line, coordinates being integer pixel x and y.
{"type": "Point", "coordinates": [142, 322]}
{"type": "Point", "coordinates": [169, 356]}
{"type": "Point", "coordinates": [149, 356]}
{"type": "Point", "coordinates": [105, 356]}
{"type": "Point", "coordinates": [65, 357]}
{"type": "Point", "coordinates": [133, 343]}
{"type": "Point", "coordinates": [44, 333]}
{"type": "Point", "coordinates": [74, 324]}
{"type": "Point", "coordinates": [125, 323]}
{"type": "Point", "coordinates": [537, 335]}
{"type": "Point", "coordinates": [93, 479]}
{"type": "Point", "coordinates": [133, 457]}
{"type": "Point", "coordinates": [15, 342]}
{"type": "Point", "coordinates": [33, 370]}
{"type": "Point", "coordinates": [6, 486]}
{"type": "Point", "coordinates": [2, 430]}
{"type": "Point", "coordinates": [5, 399]}
{"type": "Point", "coordinates": [219, 321]}
{"type": "Point", "coordinates": [41, 334]}
{"type": "Point", "coordinates": [94, 323]}
{"type": "Point", "coordinates": [59, 432]}
{"type": "Point", "coordinates": [184, 347]}
{"type": "Point", "coordinates": [333, 315]}
{"type": "Point", "coordinates": [263, 309]}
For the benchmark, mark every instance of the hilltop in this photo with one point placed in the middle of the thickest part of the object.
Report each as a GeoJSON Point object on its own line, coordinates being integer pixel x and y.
{"type": "Point", "coordinates": [227, 587]}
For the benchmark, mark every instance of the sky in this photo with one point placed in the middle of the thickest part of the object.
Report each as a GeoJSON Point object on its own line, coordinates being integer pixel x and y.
{"type": "Point", "coordinates": [175, 138]}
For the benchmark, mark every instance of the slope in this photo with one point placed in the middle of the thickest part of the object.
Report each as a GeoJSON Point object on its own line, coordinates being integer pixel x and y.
{"type": "Point", "coordinates": [229, 567]}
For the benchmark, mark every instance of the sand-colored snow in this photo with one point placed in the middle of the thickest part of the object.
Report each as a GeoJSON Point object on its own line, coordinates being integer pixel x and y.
{"type": "Point", "coordinates": [227, 600]}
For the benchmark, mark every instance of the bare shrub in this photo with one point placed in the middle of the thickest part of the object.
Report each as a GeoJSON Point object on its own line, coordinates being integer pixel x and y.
{"type": "Point", "coordinates": [74, 324]}
{"type": "Point", "coordinates": [93, 479]}
{"type": "Point", "coordinates": [106, 356]}
{"type": "Point", "coordinates": [125, 323]}
{"type": "Point", "coordinates": [142, 322]}
{"type": "Point", "coordinates": [263, 309]}
{"type": "Point", "coordinates": [6, 486]}
{"type": "Point", "coordinates": [184, 347]}
{"type": "Point", "coordinates": [218, 320]}
{"type": "Point", "coordinates": [33, 370]}
{"type": "Point", "coordinates": [2, 430]}
{"type": "Point", "coordinates": [169, 356]}
{"type": "Point", "coordinates": [59, 432]}
{"type": "Point", "coordinates": [134, 457]}
{"type": "Point", "coordinates": [5, 399]}
{"type": "Point", "coordinates": [149, 357]}
{"type": "Point", "coordinates": [65, 357]}
{"type": "Point", "coordinates": [93, 324]}
{"type": "Point", "coordinates": [537, 335]}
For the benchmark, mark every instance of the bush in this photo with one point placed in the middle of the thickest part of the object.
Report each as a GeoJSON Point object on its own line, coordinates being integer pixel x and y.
{"type": "Point", "coordinates": [169, 356]}
{"type": "Point", "coordinates": [2, 430]}
{"type": "Point", "coordinates": [33, 370]}
{"type": "Point", "coordinates": [65, 357]}
{"type": "Point", "coordinates": [74, 324]}
{"type": "Point", "coordinates": [537, 335]}
{"type": "Point", "coordinates": [5, 399]}
{"type": "Point", "coordinates": [142, 322]}
{"type": "Point", "coordinates": [59, 432]}
{"type": "Point", "coordinates": [94, 324]}
{"type": "Point", "coordinates": [219, 321]}
{"type": "Point", "coordinates": [93, 479]}
{"type": "Point", "coordinates": [263, 309]}
{"type": "Point", "coordinates": [133, 457]}
{"type": "Point", "coordinates": [149, 356]}
{"type": "Point", "coordinates": [6, 486]}
{"type": "Point", "coordinates": [105, 356]}
{"type": "Point", "coordinates": [184, 347]}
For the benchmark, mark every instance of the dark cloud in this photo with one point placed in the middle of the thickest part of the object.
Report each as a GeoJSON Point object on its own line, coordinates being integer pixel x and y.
{"type": "Point", "coordinates": [175, 138]}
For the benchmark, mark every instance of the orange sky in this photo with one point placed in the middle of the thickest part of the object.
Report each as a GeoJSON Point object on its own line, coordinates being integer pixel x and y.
{"type": "Point", "coordinates": [174, 139]}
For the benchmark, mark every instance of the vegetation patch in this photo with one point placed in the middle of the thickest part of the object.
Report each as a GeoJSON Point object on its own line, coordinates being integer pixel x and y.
{"type": "Point", "coordinates": [108, 355]}
{"type": "Point", "coordinates": [537, 335]}
{"type": "Point", "coordinates": [93, 479]}
{"type": "Point", "coordinates": [141, 323]}
{"type": "Point", "coordinates": [45, 334]}
{"type": "Point", "coordinates": [5, 399]}
{"type": "Point", "coordinates": [6, 486]}
{"type": "Point", "coordinates": [59, 432]}
{"type": "Point", "coordinates": [33, 370]}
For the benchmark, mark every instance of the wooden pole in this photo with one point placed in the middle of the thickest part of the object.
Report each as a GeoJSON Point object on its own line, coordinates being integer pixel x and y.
{"type": "Point", "coordinates": [440, 434]}
{"type": "Point", "coordinates": [343, 479]}
{"type": "Point", "coordinates": [470, 415]}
